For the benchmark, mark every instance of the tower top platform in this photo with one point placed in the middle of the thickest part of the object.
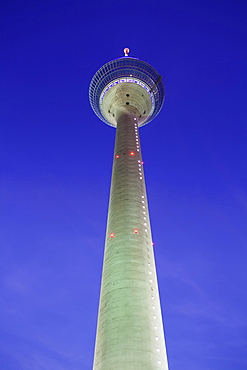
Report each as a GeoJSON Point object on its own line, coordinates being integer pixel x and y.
{"type": "Point", "coordinates": [126, 85]}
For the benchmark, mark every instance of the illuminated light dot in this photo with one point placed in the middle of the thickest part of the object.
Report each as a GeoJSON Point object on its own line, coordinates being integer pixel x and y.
{"type": "Point", "coordinates": [152, 243]}
{"type": "Point", "coordinates": [158, 350]}
{"type": "Point", "coordinates": [144, 213]}
{"type": "Point", "coordinates": [117, 156]}
{"type": "Point", "coordinates": [154, 317]}
{"type": "Point", "coordinates": [112, 235]}
{"type": "Point", "coordinates": [143, 201]}
{"type": "Point", "coordinates": [153, 307]}
{"type": "Point", "coordinates": [143, 207]}
{"type": "Point", "coordinates": [142, 162]}
{"type": "Point", "coordinates": [126, 52]}
{"type": "Point", "coordinates": [135, 231]}
{"type": "Point", "coordinates": [149, 264]}
{"type": "Point", "coordinates": [156, 338]}
{"type": "Point", "coordinates": [145, 230]}
{"type": "Point", "coordinates": [132, 153]}
{"type": "Point", "coordinates": [145, 224]}
{"type": "Point", "coordinates": [140, 178]}
{"type": "Point", "coordinates": [150, 273]}
{"type": "Point", "coordinates": [142, 196]}
{"type": "Point", "coordinates": [138, 150]}
{"type": "Point", "coordinates": [159, 362]}
{"type": "Point", "coordinates": [151, 280]}
{"type": "Point", "coordinates": [152, 297]}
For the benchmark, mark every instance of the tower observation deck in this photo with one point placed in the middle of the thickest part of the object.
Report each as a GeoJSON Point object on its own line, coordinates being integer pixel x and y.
{"type": "Point", "coordinates": [128, 93]}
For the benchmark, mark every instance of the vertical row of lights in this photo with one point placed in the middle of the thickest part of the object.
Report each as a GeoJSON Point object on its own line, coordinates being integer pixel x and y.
{"type": "Point", "coordinates": [145, 228]}
{"type": "Point", "coordinates": [138, 149]}
{"type": "Point", "coordinates": [153, 307]}
{"type": "Point", "coordinates": [136, 137]}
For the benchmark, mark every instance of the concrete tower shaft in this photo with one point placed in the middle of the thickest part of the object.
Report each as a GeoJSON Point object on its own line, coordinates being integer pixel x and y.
{"type": "Point", "coordinates": [130, 331]}
{"type": "Point", "coordinates": [127, 93]}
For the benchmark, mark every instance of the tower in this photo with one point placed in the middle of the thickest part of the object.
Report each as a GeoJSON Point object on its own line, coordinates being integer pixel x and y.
{"type": "Point", "coordinates": [128, 93]}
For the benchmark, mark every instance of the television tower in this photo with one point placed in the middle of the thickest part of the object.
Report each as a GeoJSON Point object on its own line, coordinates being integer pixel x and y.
{"type": "Point", "coordinates": [128, 93]}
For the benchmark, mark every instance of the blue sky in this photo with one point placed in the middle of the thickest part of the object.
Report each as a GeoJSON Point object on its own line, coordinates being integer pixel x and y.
{"type": "Point", "coordinates": [55, 168]}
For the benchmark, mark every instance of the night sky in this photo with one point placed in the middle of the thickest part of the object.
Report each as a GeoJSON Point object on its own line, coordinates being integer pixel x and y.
{"type": "Point", "coordinates": [55, 163]}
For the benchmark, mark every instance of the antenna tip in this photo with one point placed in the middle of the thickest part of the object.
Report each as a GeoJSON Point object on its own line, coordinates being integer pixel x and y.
{"type": "Point", "coordinates": [126, 52]}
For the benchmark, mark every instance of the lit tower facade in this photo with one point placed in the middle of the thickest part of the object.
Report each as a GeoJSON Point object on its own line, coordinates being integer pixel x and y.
{"type": "Point", "coordinates": [128, 93]}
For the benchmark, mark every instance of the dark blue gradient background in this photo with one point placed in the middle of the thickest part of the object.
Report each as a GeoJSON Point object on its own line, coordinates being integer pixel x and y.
{"type": "Point", "coordinates": [55, 163]}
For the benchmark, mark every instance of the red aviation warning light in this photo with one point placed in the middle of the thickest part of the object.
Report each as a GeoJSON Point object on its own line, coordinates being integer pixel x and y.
{"type": "Point", "coordinates": [126, 52]}
{"type": "Point", "coordinates": [117, 156]}
{"type": "Point", "coordinates": [132, 153]}
{"type": "Point", "coordinates": [135, 231]}
{"type": "Point", "coordinates": [112, 235]}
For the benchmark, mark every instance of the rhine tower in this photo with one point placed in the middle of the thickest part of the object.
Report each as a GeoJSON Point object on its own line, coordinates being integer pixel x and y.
{"type": "Point", "coordinates": [128, 93]}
